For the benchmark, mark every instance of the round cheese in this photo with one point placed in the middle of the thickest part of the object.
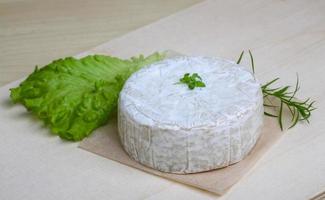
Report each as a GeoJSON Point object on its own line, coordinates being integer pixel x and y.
{"type": "Point", "coordinates": [167, 126]}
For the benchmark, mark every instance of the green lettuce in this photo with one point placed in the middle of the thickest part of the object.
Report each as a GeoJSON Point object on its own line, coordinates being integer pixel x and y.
{"type": "Point", "coordinates": [75, 96]}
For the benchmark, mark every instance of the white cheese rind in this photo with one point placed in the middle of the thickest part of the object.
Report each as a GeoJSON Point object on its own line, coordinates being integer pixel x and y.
{"type": "Point", "coordinates": [168, 127]}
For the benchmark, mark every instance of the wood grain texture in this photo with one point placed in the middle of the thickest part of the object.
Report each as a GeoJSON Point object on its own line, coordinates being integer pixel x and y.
{"type": "Point", "coordinates": [285, 37]}
{"type": "Point", "coordinates": [34, 32]}
{"type": "Point", "coordinates": [320, 196]}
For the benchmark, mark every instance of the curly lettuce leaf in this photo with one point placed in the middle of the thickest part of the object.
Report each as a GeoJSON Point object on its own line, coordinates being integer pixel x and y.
{"type": "Point", "coordinates": [75, 96]}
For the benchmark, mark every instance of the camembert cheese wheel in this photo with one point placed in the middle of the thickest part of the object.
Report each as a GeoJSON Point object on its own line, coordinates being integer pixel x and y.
{"type": "Point", "coordinates": [166, 126]}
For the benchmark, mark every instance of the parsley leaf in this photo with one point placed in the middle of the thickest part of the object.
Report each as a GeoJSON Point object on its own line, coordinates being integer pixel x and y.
{"type": "Point", "coordinates": [192, 81]}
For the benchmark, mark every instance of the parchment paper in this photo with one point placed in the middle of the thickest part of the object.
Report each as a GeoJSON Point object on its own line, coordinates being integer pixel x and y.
{"type": "Point", "coordinates": [105, 142]}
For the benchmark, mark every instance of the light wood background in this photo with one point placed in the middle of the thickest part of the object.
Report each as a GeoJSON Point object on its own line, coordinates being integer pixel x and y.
{"type": "Point", "coordinates": [286, 36]}
{"type": "Point", "coordinates": [34, 32]}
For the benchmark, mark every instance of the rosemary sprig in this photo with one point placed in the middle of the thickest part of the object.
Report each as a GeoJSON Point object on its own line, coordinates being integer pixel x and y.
{"type": "Point", "coordinates": [280, 98]}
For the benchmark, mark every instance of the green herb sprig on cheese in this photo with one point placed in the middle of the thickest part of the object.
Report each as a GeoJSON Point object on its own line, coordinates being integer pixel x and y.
{"type": "Point", "coordinates": [192, 81]}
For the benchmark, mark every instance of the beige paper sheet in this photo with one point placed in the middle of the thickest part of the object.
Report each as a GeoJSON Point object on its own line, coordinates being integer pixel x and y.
{"type": "Point", "coordinates": [105, 142]}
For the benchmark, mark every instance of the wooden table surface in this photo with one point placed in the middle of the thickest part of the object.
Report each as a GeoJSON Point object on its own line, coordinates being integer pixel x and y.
{"type": "Point", "coordinates": [34, 32]}
{"type": "Point", "coordinates": [290, 33]}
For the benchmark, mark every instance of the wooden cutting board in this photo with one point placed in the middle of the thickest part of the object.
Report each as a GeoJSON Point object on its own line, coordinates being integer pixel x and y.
{"type": "Point", "coordinates": [285, 37]}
